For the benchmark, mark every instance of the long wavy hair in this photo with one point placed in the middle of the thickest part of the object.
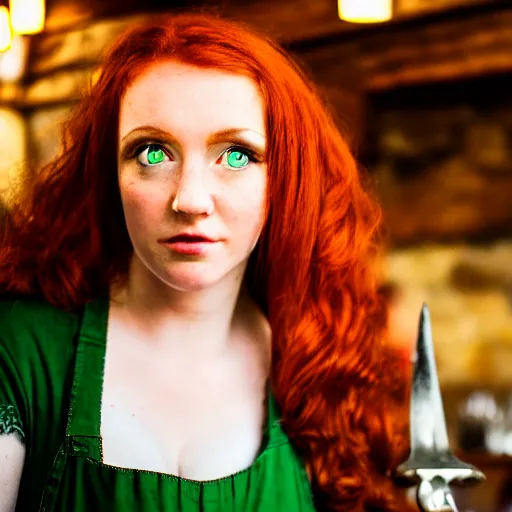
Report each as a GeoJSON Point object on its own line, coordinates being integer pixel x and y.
{"type": "Point", "coordinates": [312, 271]}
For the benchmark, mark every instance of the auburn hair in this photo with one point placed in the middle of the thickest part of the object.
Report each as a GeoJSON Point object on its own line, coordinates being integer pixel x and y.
{"type": "Point", "coordinates": [340, 390]}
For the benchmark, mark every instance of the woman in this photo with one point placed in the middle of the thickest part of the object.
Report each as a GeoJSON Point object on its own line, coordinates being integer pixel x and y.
{"type": "Point", "coordinates": [145, 369]}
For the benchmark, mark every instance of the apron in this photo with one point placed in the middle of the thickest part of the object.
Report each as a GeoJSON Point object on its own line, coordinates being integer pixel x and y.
{"type": "Point", "coordinates": [79, 481]}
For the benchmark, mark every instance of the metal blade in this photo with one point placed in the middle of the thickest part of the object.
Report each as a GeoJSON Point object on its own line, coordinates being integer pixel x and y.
{"type": "Point", "coordinates": [431, 464]}
{"type": "Point", "coordinates": [428, 426]}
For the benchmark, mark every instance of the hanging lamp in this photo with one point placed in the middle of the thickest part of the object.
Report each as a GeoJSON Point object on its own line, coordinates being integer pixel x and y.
{"type": "Point", "coordinates": [5, 29]}
{"type": "Point", "coordinates": [365, 11]}
{"type": "Point", "coordinates": [27, 16]}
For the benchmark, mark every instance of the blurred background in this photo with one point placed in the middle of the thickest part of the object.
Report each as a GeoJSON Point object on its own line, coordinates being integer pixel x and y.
{"type": "Point", "coordinates": [424, 95]}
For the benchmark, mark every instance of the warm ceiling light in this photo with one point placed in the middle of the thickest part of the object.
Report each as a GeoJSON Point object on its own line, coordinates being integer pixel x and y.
{"type": "Point", "coordinates": [13, 62]}
{"type": "Point", "coordinates": [27, 16]}
{"type": "Point", "coordinates": [5, 29]}
{"type": "Point", "coordinates": [365, 11]}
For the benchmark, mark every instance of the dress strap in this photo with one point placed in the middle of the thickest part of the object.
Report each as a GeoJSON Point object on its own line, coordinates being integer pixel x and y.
{"type": "Point", "coordinates": [275, 433]}
{"type": "Point", "coordinates": [85, 408]}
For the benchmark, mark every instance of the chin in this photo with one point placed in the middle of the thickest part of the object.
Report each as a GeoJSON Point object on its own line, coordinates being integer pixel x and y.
{"type": "Point", "coordinates": [190, 281]}
{"type": "Point", "coordinates": [193, 276]}
{"type": "Point", "coordinates": [189, 285]}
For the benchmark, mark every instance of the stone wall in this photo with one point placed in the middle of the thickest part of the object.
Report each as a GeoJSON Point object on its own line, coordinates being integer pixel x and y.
{"type": "Point", "coordinates": [44, 126]}
{"type": "Point", "coordinates": [442, 159]}
{"type": "Point", "coordinates": [468, 290]}
{"type": "Point", "coordinates": [442, 162]}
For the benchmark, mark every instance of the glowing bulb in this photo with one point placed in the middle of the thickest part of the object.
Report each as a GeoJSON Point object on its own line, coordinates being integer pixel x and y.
{"type": "Point", "coordinates": [14, 61]}
{"type": "Point", "coordinates": [365, 11]}
{"type": "Point", "coordinates": [27, 16]}
{"type": "Point", "coordinates": [5, 29]}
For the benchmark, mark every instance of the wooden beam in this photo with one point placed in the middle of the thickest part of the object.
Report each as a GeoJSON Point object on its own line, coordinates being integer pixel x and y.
{"type": "Point", "coordinates": [453, 49]}
{"type": "Point", "coordinates": [303, 21]}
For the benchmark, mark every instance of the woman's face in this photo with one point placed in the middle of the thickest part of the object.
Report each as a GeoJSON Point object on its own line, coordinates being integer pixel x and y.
{"type": "Point", "coordinates": [197, 134]}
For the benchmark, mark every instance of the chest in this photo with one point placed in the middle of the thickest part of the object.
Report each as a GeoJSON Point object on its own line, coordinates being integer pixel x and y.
{"type": "Point", "coordinates": [200, 422]}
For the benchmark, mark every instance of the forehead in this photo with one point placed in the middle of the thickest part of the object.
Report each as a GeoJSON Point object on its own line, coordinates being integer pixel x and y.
{"type": "Point", "coordinates": [187, 99]}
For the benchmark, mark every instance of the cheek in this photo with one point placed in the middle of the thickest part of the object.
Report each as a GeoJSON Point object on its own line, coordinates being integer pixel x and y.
{"type": "Point", "coordinates": [249, 206]}
{"type": "Point", "coordinates": [141, 203]}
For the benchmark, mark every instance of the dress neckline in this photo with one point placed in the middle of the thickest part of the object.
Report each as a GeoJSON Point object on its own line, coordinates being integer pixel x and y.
{"type": "Point", "coordinates": [85, 412]}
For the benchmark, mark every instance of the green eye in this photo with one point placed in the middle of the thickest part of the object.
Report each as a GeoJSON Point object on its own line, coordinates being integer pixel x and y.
{"type": "Point", "coordinates": [237, 159]}
{"type": "Point", "coordinates": [153, 154]}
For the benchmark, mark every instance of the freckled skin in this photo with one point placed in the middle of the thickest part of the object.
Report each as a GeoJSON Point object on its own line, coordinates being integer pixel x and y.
{"type": "Point", "coordinates": [192, 103]}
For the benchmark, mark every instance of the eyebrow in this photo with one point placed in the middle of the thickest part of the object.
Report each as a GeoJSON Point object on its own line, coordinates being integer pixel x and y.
{"type": "Point", "coordinates": [238, 135]}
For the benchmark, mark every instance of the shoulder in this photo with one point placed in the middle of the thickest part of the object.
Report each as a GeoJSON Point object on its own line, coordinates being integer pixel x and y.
{"type": "Point", "coordinates": [25, 320]}
{"type": "Point", "coordinates": [37, 347]}
{"type": "Point", "coordinates": [36, 341]}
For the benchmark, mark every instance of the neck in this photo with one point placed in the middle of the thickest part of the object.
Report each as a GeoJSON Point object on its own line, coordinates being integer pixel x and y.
{"type": "Point", "coordinates": [198, 322]}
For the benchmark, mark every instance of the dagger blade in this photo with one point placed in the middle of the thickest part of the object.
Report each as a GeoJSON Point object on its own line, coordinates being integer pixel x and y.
{"type": "Point", "coordinates": [428, 425]}
{"type": "Point", "coordinates": [431, 464]}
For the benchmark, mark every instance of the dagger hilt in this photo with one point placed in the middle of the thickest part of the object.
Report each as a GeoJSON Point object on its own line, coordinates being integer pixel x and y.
{"type": "Point", "coordinates": [433, 492]}
{"type": "Point", "coordinates": [434, 495]}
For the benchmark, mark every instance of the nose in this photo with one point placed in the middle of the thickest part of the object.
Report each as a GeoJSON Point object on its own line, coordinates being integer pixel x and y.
{"type": "Point", "coordinates": [192, 195]}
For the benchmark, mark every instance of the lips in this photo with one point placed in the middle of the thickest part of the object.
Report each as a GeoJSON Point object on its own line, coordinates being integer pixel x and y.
{"type": "Point", "coordinates": [189, 238]}
{"type": "Point", "coordinates": [190, 245]}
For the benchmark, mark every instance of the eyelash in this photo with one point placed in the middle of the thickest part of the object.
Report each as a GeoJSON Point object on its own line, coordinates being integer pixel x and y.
{"type": "Point", "coordinates": [253, 157]}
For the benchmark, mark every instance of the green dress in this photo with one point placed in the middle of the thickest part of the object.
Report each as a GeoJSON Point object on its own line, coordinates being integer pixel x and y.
{"type": "Point", "coordinates": [51, 379]}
